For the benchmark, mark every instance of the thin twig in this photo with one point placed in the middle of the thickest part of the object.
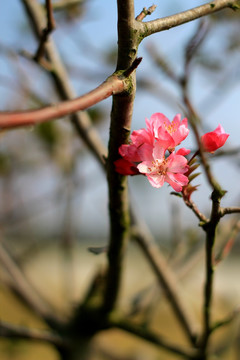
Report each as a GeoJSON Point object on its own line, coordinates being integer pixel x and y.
{"type": "Point", "coordinates": [151, 27]}
{"type": "Point", "coordinates": [229, 210]}
{"type": "Point", "coordinates": [145, 12]}
{"type": "Point", "coordinates": [165, 277]}
{"type": "Point", "coordinates": [19, 332]}
{"type": "Point", "coordinates": [25, 290]}
{"type": "Point", "coordinates": [80, 120]}
{"type": "Point", "coordinates": [151, 337]}
{"type": "Point", "coordinates": [46, 31]}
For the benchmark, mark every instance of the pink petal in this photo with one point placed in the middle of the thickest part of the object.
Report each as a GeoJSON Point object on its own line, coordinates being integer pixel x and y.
{"type": "Point", "coordinates": [156, 181]}
{"type": "Point", "coordinates": [158, 151]}
{"type": "Point", "coordinates": [177, 164]}
{"type": "Point", "coordinates": [177, 181]}
{"type": "Point", "coordinates": [125, 167]}
{"type": "Point", "coordinates": [145, 167]}
{"type": "Point", "coordinates": [183, 151]}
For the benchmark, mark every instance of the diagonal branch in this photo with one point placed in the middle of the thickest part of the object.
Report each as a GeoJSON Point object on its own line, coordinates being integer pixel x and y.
{"type": "Point", "coordinates": [10, 331]}
{"type": "Point", "coordinates": [80, 120]}
{"type": "Point", "coordinates": [168, 22]}
{"type": "Point", "coordinates": [113, 85]}
{"type": "Point", "coordinates": [151, 337]}
{"type": "Point", "coordinates": [165, 278]}
{"type": "Point", "coordinates": [46, 31]}
{"type": "Point", "coordinates": [26, 291]}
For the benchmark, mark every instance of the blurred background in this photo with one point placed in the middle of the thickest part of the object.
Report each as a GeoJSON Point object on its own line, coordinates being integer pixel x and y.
{"type": "Point", "coordinates": [53, 193]}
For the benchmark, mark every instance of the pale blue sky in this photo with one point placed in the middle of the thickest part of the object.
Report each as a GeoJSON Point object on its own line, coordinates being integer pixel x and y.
{"type": "Point", "coordinates": [99, 28]}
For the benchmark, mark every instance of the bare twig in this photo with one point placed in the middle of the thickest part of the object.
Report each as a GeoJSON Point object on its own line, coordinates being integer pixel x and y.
{"type": "Point", "coordinates": [46, 31]}
{"type": "Point", "coordinates": [165, 277]}
{"type": "Point", "coordinates": [26, 291]}
{"type": "Point", "coordinates": [168, 22]}
{"type": "Point", "coordinates": [80, 120]}
{"type": "Point", "coordinates": [19, 332]}
{"type": "Point", "coordinates": [145, 12]}
{"type": "Point", "coordinates": [112, 85]}
{"type": "Point", "coordinates": [151, 337]}
{"type": "Point", "coordinates": [229, 210]}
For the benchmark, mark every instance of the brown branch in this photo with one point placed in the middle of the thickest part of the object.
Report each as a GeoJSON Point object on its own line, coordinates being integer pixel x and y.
{"type": "Point", "coordinates": [195, 210]}
{"type": "Point", "coordinates": [168, 22]}
{"type": "Point", "coordinates": [46, 31]}
{"type": "Point", "coordinates": [229, 210]}
{"type": "Point", "coordinates": [145, 12]}
{"type": "Point", "coordinates": [165, 277]}
{"type": "Point", "coordinates": [121, 117]}
{"type": "Point", "coordinates": [25, 290]}
{"type": "Point", "coordinates": [10, 331]}
{"type": "Point", "coordinates": [151, 337]}
{"type": "Point", "coordinates": [80, 120]}
{"type": "Point", "coordinates": [112, 85]}
{"type": "Point", "coordinates": [64, 4]}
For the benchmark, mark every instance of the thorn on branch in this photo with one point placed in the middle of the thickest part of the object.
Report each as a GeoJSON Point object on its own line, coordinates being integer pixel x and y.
{"type": "Point", "coordinates": [133, 67]}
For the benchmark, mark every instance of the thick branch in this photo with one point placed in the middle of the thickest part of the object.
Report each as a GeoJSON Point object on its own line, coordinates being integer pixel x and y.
{"type": "Point", "coordinates": [121, 118]}
{"type": "Point", "coordinates": [168, 22]}
{"type": "Point", "coordinates": [112, 85]}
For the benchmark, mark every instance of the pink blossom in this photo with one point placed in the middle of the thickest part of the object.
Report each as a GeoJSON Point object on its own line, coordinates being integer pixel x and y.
{"type": "Point", "coordinates": [177, 130]}
{"type": "Point", "coordinates": [146, 152]}
{"type": "Point", "coordinates": [159, 169]}
{"type": "Point", "coordinates": [126, 167]}
{"type": "Point", "coordinates": [213, 140]}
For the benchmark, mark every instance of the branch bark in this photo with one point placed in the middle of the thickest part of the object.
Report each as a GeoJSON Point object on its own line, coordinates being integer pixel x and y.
{"type": "Point", "coordinates": [112, 85]}
{"type": "Point", "coordinates": [10, 331]}
{"type": "Point", "coordinates": [26, 291]}
{"type": "Point", "coordinates": [80, 120]}
{"type": "Point", "coordinates": [166, 23]}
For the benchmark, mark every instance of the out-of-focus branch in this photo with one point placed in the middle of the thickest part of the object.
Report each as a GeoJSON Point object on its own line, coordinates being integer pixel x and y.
{"type": "Point", "coordinates": [46, 31]}
{"type": "Point", "coordinates": [168, 22]}
{"type": "Point", "coordinates": [229, 210]}
{"type": "Point", "coordinates": [10, 331]}
{"type": "Point", "coordinates": [64, 4]}
{"type": "Point", "coordinates": [80, 120]}
{"type": "Point", "coordinates": [26, 291]}
{"type": "Point", "coordinates": [166, 279]}
{"type": "Point", "coordinates": [151, 337]}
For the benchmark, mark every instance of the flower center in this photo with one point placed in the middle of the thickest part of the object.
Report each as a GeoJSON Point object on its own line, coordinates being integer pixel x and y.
{"type": "Point", "coordinates": [171, 128]}
{"type": "Point", "coordinates": [159, 167]}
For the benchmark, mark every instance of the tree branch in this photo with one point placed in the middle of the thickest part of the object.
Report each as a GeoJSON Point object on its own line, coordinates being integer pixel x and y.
{"type": "Point", "coordinates": [229, 210]}
{"type": "Point", "coordinates": [166, 280]}
{"type": "Point", "coordinates": [46, 31]}
{"type": "Point", "coordinates": [145, 12]}
{"type": "Point", "coordinates": [121, 117]}
{"type": "Point", "coordinates": [80, 120]}
{"type": "Point", "coordinates": [168, 22]}
{"type": "Point", "coordinates": [114, 84]}
{"type": "Point", "coordinates": [151, 337]}
{"type": "Point", "coordinates": [26, 291]}
{"type": "Point", "coordinates": [10, 331]}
